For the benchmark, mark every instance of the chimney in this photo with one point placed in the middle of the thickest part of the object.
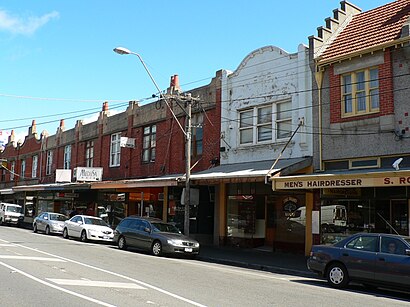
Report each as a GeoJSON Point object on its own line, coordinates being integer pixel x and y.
{"type": "Point", "coordinates": [174, 84]}
{"type": "Point", "coordinates": [32, 129]}
{"type": "Point", "coordinates": [105, 106]}
{"type": "Point", "coordinates": [11, 136]}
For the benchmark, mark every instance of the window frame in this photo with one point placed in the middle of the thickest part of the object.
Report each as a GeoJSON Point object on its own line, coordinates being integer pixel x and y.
{"type": "Point", "coordinates": [149, 137]}
{"type": "Point", "coordinates": [115, 149]}
{"type": "Point", "coordinates": [197, 135]}
{"type": "Point", "coordinates": [352, 92]}
{"type": "Point", "coordinates": [22, 168]}
{"type": "Point", "coordinates": [12, 170]}
{"type": "Point", "coordinates": [67, 157]}
{"type": "Point", "coordinates": [34, 166]}
{"type": "Point", "coordinates": [89, 154]}
{"type": "Point", "coordinates": [49, 162]}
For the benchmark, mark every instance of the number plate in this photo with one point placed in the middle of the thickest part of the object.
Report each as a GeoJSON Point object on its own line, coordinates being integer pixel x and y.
{"type": "Point", "coordinates": [188, 249]}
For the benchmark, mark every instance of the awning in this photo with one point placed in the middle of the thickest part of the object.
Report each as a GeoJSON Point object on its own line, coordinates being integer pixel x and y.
{"type": "Point", "coordinates": [345, 179]}
{"type": "Point", "coordinates": [52, 187]}
{"type": "Point", "coordinates": [249, 171]}
{"type": "Point", "coordinates": [6, 191]}
{"type": "Point", "coordinates": [163, 181]}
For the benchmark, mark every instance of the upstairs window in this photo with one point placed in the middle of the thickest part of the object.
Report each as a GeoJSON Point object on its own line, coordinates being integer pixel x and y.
{"type": "Point", "coordinates": [197, 134]}
{"type": "Point", "coordinates": [34, 166]}
{"type": "Point", "coordinates": [360, 92]}
{"type": "Point", "coordinates": [283, 119]}
{"type": "Point", "coordinates": [89, 154]}
{"type": "Point", "coordinates": [49, 162]}
{"type": "Point", "coordinates": [12, 170]}
{"type": "Point", "coordinates": [115, 149]}
{"type": "Point", "coordinates": [23, 168]}
{"type": "Point", "coordinates": [149, 143]}
{"type": "Point", "coordinates": [67, 157]}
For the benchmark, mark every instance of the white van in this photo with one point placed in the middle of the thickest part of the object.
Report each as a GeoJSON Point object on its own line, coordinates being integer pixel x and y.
{"type": "Point", "coordinates": [333, 217]}
{"type": "Point", "coordinates": [11, 214]}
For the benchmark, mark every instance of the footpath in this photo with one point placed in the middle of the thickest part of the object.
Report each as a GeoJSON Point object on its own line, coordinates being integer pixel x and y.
{"type": "Point", "coordinates": [276, 262]}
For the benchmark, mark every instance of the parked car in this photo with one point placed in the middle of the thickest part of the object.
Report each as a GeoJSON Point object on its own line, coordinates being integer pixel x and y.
{"type": "Point", "coordinates": [153, 235]}
{"type": "Point", "coordinates": [86, 228]}
{"type": "Point", "coordinates": [375, 260]}
{"type": "Point", "coordinates": [49, 222]}
{"type": "Point", "coordinates": [11, 214]}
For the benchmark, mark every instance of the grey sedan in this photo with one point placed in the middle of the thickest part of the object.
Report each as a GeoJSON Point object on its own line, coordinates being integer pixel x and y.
{"type": "Point", "coordinates": [153, 235]}
{"type": "Point", "coordinates": [49, 222]}
{"type": "Point", "coordinates": [375, 260]}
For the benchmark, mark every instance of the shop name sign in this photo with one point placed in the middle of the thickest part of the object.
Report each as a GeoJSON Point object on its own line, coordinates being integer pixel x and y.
{"type": "Point", "coordinates": [288, 184]}
{"type": "Point", "coordinates": [88, 173]}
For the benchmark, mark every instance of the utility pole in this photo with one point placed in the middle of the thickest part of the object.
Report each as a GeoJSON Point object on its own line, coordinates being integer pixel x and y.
{"type": "Point", "coordinates": [188, 133]}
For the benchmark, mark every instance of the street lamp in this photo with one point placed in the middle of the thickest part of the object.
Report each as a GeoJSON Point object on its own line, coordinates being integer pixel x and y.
{"type": "Point", "coordinates": [187, 133]}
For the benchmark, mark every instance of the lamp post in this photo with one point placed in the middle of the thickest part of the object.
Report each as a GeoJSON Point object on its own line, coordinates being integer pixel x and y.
{"type": "Point", "coordinates": [186, 132]}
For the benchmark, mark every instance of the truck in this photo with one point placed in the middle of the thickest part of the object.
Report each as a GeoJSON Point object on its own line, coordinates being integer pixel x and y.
{"type": "Point", "coordinates": [11, 214]}
{"type": "Point", "coordinates": [333, 218]}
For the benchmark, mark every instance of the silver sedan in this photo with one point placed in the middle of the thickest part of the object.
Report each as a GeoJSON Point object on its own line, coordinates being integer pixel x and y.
{"type": "Point", "coordinates": [49, 222]}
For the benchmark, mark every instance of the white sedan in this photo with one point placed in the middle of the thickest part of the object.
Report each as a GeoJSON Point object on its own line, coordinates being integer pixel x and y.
{"type": "Point", "coordinates": [87, 228]}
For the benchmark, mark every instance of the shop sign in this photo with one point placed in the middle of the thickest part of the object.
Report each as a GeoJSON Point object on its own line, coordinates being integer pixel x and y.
{"type": "Point", "coordinates": [88, 173]}
{"type": "Point", "coordinates": [342, 192]}
{"type": "Point", "coordinates": [340, 182]}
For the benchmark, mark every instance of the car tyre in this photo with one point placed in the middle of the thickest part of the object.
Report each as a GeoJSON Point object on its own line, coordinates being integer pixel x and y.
{"type": "Point", "coordinates": [156, 248]}
{"type": "Point", "coordinates": [83, 236]}
{"type": "Point", "coordinates": [337, 275]}
{"type": "Point", "coordinates": [35, 228]}
{"type": "Point", "coordinates": [65, 233]}
{"type": "Point", "coordinates": [47, 230]}
{"type": "Point", "coordinates": [122, 244]}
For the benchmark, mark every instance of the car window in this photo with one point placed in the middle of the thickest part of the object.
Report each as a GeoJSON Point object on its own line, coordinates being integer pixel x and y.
{"type": "Point", "coordinates": [94, 221]}
{"type": "Point", "coordinates": [76, 219]}
{"type": "Point", "coordinates": [57, 217]}
{"type": "Point", "coordinates": [163, 227]}
{"type": "Point", "coordinates": [41, 215]}
{"type": "Point", "coordinates": [145, 224]}
{"type": "Point", "coordinates": [364, 243]}
{"type": "Point", "coordinates": [393, 246]}
{"type": "Point", "coordinates": [125, 223]}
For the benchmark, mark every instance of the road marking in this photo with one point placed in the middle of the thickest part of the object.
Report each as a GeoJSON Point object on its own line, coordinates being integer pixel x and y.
{"type": "Point", "coordinates": [6, 244]}
{"type": "Point", "coordinates": [56, 287]}
{"type": "Point", "coordinates": [176, 296]}
{"type": "Point", "coordinates": [94, 283]}
{"type": "Point", "coordinates": [30, 258]}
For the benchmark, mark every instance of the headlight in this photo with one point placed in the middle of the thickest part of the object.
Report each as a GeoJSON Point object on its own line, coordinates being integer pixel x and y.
{"type": "Point", "coordinates": [174, 242]}
{"type": "Point", "coordinates": [196, 244]}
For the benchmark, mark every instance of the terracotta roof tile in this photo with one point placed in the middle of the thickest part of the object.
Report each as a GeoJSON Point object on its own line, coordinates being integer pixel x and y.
{"type": "Point", "coordinates": [375, 27]}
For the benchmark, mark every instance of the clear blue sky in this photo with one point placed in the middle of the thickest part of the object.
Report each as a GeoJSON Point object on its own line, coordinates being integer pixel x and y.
{"type": "Point", "coordinates": [56, 58]}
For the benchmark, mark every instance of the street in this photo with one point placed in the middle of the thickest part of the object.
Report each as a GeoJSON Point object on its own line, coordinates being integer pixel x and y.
{"type": "Point", "coordinates": [41, 270]}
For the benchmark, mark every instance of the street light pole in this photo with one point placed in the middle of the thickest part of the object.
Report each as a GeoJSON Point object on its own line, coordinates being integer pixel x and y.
{"type": "Point", "coordinates": [186, 132]}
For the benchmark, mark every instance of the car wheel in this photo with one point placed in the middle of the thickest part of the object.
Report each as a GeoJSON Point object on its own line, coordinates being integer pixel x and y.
{"type": "Point", "coordinates": [65, 233]}
{"type": "Point", "coordinates": [337, 275]}
{"type": "Point", "coordinates": [35, 228]}
{"type": "Point", "coordinates": [47, 230]}
{"type": "Point", "coordinates": [121, 243]}
{"type": "Point", "coordinates": [83, 236]}
{"type": "Point", "coordinates": [156, 248]}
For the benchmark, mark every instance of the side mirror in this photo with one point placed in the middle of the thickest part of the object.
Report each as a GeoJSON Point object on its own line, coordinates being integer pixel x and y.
{"type": "Point", "coordinates": [46, 218]}
{"type": "Point", "coordinates": [79, 222]}
{"type": "Point", "coordinates": [146, 229]}
{"type": "Point", "coordinates": [407, 252]}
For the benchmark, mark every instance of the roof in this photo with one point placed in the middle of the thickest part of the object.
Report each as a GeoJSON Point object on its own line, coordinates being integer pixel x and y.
{"type": "Point", "coordinates": [376, 27]}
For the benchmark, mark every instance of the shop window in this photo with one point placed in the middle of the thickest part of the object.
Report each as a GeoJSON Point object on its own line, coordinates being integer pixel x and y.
{"type": "Point", "coordinates": [360, 92]}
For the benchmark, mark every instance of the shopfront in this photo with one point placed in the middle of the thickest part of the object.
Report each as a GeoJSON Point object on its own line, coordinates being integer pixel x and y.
{"type": "Point", "coordinates": [349, 203]}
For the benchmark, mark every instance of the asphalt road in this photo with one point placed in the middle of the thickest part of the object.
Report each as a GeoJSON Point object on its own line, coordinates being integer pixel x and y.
{"type": "Point", "coordinates": [40, 270]}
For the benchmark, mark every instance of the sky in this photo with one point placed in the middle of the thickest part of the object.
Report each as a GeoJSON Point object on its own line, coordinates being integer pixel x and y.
{"type": "Point", "coordinates": [57, 60]}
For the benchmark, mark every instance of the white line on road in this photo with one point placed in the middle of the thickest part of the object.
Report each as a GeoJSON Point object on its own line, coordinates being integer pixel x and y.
{"type": "Point", "coordinates": [30, 258]}
{"type": "Point", "coordinates": [176, 296]}
{"type": "Point", "coordinates": [95, 283]}
{"type": "Point", "coordinates": [56, 287]}
{"type": "Point", "coordinates": [6, 244]}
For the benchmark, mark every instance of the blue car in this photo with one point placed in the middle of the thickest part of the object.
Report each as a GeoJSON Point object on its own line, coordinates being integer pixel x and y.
{"type": "Point", "coordinates": [375, 260]}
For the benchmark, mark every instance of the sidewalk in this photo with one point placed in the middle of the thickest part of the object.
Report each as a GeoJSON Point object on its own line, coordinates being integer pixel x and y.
{"type": "Point", "coordinates": [276, 262]}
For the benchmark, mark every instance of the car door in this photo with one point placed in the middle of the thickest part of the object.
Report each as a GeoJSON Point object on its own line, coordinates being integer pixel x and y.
{"type": "Point", "coordinates": [392, 263]}
{"type": "Point", "coordinates": [129, 229]}
{"type": "Point", "coordinates": [145, 235]}
{"type": "Point", "coordinates": [40, 222]}
{"type": "Point", "coordinates": [359, 256]}
{"type": "Point", "coordinates": [74, 228]}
